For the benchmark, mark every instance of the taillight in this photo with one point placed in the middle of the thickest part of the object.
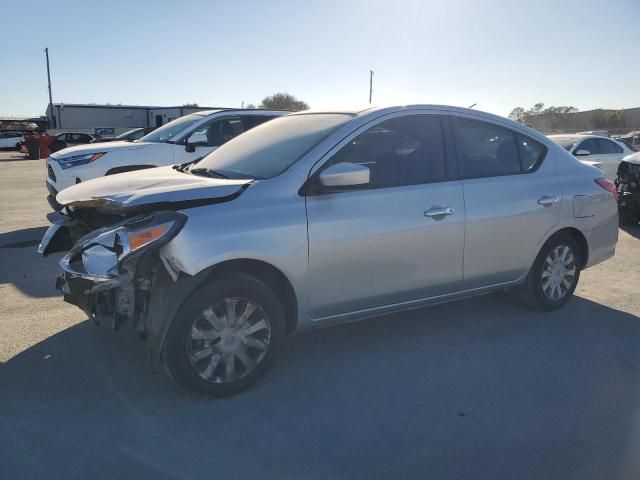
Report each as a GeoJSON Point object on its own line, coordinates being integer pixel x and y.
{"type": "Point", "coordinates": [609, 186]}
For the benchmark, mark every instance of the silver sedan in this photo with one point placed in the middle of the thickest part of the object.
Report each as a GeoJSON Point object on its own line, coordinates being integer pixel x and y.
{"type": "Point", "coordinates": [323, 217]}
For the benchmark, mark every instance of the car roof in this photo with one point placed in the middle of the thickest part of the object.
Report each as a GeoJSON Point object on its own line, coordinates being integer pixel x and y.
{"type": "Point", "coordinates": [577, 136]}
{"type": "Point", "coordinates": [397, 108]}
{"type": "Point", "coordinates": [382, 110]}
{"type": "Point", "coordinates": [206, 113]}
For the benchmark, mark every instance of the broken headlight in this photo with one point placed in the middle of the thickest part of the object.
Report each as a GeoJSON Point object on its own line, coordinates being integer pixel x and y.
{"type": "Point", "coordinates": [102, 254]}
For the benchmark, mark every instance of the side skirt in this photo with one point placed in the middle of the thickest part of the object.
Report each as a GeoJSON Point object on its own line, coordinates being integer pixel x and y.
{"type": "Point", "coordinates": [404, 306]}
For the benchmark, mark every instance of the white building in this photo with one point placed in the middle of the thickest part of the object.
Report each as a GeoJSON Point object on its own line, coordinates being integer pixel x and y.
{"type": "Point", "coordinates": [89, 117]}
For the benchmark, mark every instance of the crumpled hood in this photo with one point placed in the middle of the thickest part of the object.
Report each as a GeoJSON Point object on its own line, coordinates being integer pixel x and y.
{"type": "Point", "coordinates": [162, 185]}
{"type": "Point", "coordinates": [99, 147]}
{"type": "Point", "coordinates": [633, 158]}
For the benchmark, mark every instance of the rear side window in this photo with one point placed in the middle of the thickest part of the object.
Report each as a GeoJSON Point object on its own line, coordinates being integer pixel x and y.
{"type": "Point", "coordinates": [486, 150]}
{"type": "Point", "coordinates": [402, 151]}
{"type": "Point", "coordinates": [531, 153]}
{"type": "Point", "coordinates": [607, 146]}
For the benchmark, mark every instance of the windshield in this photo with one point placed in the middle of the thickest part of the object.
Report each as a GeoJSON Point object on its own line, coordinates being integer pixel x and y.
{"type": "Point", "coordinates": [271, 148]}
{"type": "Point", "coordinates": [128, 133]}
{"type": "Point", "coordinates": [167, 132]}
{"type": "Point", "coordinates": [565, 142]}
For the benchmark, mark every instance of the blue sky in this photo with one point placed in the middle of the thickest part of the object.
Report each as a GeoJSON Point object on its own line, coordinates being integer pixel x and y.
{"type": "Point", "coordinates": [496, 53]}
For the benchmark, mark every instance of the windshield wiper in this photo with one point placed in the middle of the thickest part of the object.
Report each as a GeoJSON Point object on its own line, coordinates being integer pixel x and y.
{"type": "Point", "coordinates": [184, 167]}
{"type": "Point", "coordinates": [207, 172]}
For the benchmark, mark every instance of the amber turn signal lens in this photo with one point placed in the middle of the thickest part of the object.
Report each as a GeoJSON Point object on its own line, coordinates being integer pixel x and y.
{"type": "Point", "coordinates": [140, 238]}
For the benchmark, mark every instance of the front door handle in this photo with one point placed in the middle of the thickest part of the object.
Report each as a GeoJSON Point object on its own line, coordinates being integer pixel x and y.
{"type": "Point", "coordinates": [548, 200]}
{"type": "Point", "coordinates": [438, 212]}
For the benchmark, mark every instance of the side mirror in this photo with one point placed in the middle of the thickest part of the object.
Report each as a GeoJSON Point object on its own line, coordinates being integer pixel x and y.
{"type": "Point", "coordinates": [345, 175]}
{"type": "Point", "coordinates": [195, 140]}
{"type": "Point", "coordinates": [582, 153]}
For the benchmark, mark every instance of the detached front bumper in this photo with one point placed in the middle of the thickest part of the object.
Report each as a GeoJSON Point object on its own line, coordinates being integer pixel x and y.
{"type": "Point", "coordinates": [74, 291]}
{"type": "Point", "coordinates": [111, 282]}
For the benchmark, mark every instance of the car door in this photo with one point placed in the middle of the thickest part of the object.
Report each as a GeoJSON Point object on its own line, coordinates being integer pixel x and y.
{"type": "Point", "coordinates": [610, 155]}
{"type": "Point", "coordinates": [512, 199]}
{"type": "Point", "coordinates": [7, 140]}
{"type": "Point", "coordinates": [209, 136]}
{"type": "Point", "coordinates": [384, 244]}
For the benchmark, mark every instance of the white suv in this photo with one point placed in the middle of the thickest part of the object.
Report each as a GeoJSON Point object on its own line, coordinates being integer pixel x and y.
{"type": "Point", "coordinates": [185, 139]}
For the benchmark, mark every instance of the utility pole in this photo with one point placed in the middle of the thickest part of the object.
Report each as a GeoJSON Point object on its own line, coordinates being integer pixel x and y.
{"type": "Point", "coordinates": [53, 118]}
{"type": "Point", "coordinates": [370, 85]}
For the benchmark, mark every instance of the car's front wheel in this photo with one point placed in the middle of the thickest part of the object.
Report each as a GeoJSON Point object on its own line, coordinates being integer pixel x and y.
{"type": "Point", "coordinates": [225, 336]}
{"type": "Point", "coordinates": [554, 275]}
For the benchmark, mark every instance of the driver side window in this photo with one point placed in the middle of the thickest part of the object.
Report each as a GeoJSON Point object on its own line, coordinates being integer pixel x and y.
{"type": "Point", "coordinates": [218, 132]}
{"type": "Point", "coordinates": [402, 151]}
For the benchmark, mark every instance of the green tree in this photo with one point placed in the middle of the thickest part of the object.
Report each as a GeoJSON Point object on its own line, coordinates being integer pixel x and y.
{"type": "Point", "coordinates": [616, 119]}
{"type": "Point", "coordinates": [537, 109]}
{"type": "Point", "coordinates": [190, 105]}
{"type": "Point", "coordinates": [283, 101]}
{"type": "Point", "coordinates": [599, 119]}
{"type": "Point", "coordinates": [517, 114]}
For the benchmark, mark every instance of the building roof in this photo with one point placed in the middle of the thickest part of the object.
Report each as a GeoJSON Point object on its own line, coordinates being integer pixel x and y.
{"type": "Point", "coordinates": [21, 119]}
{"type": "Point", "coordinates": [129, 107]}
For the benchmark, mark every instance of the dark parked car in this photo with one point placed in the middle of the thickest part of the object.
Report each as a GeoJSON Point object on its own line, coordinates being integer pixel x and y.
{"type": "Point", "coordinates": [69, 139]}
{"type": "Point", "coordinates": [128, 136]}
{"type": "Point", "coordinates": [628, 185]}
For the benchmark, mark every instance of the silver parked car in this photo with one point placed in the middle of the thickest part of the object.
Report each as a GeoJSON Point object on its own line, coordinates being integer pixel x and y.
{"type": "Point", "coordinates": [317, 218]}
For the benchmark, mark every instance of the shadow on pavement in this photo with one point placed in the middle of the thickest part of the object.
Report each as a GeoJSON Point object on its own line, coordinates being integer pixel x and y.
{"type": "Point", "coordinates": [477, 389]}
{"type": "Point", "coordinates": [23, 267]}
{"type": "Point", "coordinates": [27, 237]}
{"type": "Point", "coordinates": [18, 157]}
{"type": "Point", "coordinates": [633, 230]}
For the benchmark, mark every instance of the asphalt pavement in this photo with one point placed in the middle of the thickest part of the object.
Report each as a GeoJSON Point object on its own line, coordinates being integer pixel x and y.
{"type": "Point", "coordinates": [481, 389]}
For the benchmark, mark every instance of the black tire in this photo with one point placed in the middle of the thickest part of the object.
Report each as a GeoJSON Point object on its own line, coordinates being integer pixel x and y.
{"type": "Point", "coordinates": [531, 292]}
{"type": "Point", "coordinates": [176, 356]}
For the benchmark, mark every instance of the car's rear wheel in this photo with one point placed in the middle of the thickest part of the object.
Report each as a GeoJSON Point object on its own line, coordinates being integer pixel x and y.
{"type": "Point", "coordinates": [554, 275]}
{"type": "Point", "coordinates": [225, 336]}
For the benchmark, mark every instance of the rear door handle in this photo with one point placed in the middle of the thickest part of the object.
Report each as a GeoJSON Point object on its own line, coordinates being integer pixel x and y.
{"type": "Point", "coordinates": [438, 212]}
{"type": "Point", "coordinates": [548, 200]}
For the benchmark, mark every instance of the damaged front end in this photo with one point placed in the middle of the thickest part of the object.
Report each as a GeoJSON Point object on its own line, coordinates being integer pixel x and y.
{"type": "Point", "coordinates": [109, 272]}
{"type": "Point", "coordinates": [628, 184]}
